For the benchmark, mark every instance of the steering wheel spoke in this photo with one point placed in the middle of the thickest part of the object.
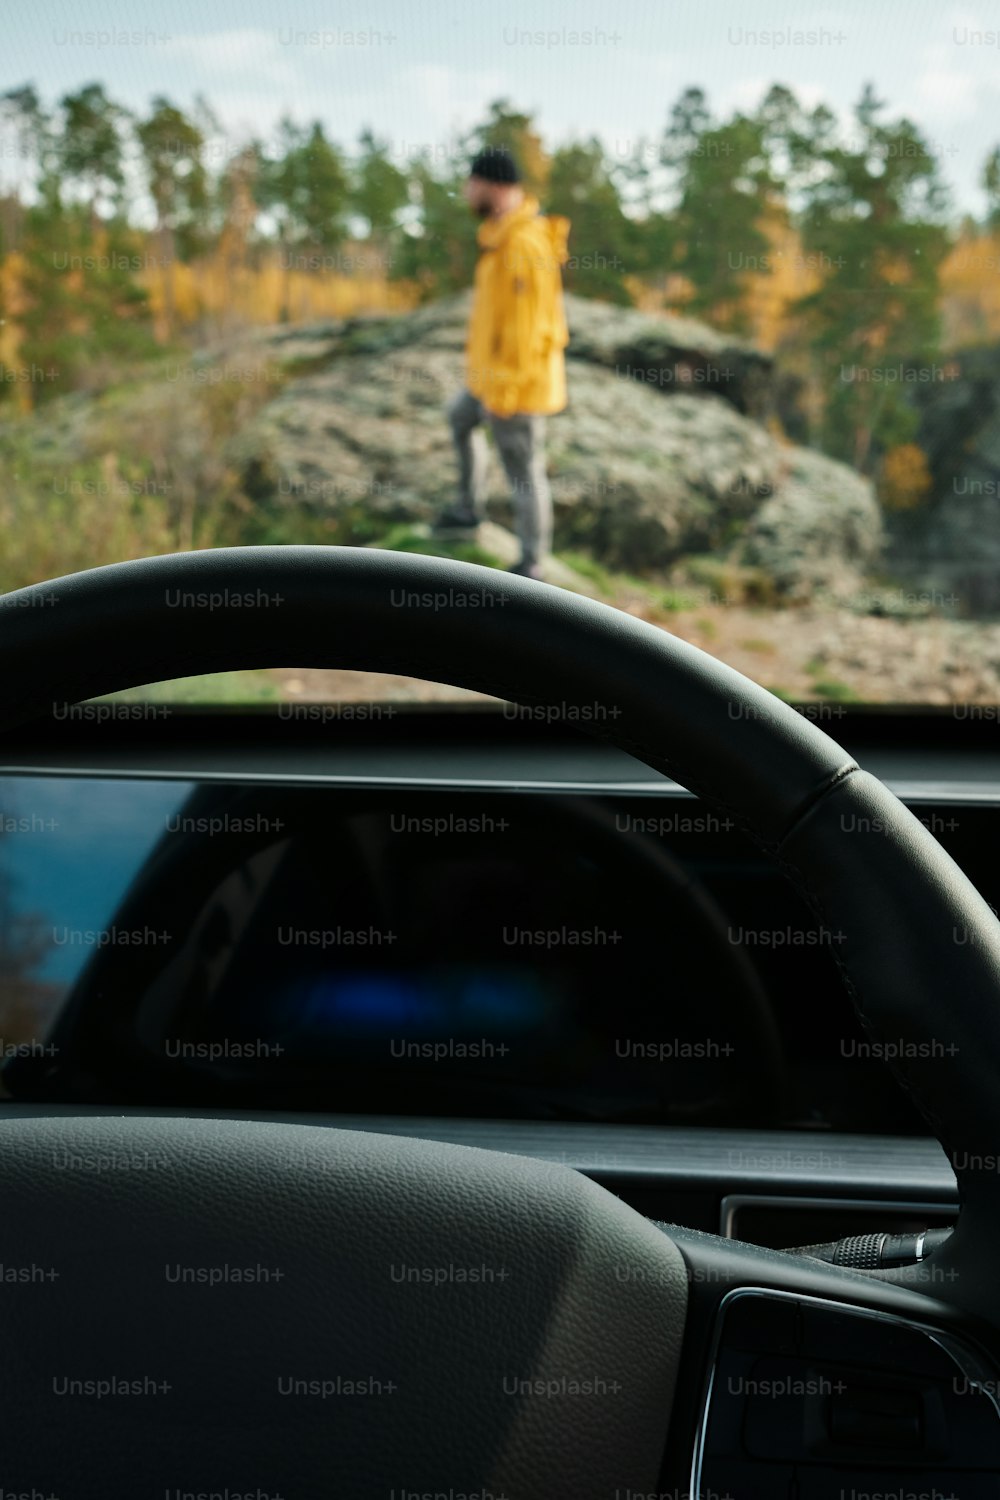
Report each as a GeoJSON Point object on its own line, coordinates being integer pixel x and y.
{"type": "Point", "coordinates": [801, 1378]}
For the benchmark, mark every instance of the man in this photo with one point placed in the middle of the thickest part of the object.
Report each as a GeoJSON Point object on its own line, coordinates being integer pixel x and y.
{"type": "Point", "coordinates": [515, 364]}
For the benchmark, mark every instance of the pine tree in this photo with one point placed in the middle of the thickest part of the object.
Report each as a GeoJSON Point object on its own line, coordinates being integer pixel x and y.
{"type": "Point", "coordinates": [991, 186]}
{"type": "Point", "coordinates": [438, 253]}
{"type": "Point", "coordinates": [379, 193]}
{"type": "Point", "coordinates": [873, 222]}
{"type": "Point", "coordinates": [725, 184]}
{"type": "Point", "coordinates": [602, 240]}
{"type": "Point", "coordinates": [172, 146]}
{"type": "Point", "coordinates": [85, 315]}
{"type": "Point", "coordinates": [90, 147]}
{"type": "Point", "coordinates": [307, 189]}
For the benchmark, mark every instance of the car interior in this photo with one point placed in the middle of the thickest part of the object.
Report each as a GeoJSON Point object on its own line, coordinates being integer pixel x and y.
{"type": "Point", "coordinates": [581, 1081]}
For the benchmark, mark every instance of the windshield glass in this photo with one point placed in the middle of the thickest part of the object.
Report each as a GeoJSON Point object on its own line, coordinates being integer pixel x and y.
{"type": "Point", "coordinates": [694, 309]}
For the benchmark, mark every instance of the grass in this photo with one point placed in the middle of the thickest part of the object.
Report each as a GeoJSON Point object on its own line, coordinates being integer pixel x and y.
{"type": "Point", "coordinates": [676, 600]}
{"type": "Point", "coordinates": [213, 687]}
{"type": "Point", "coordinates": [829, 688]}
{"type": "Point", "coordinates": [727, 582]}
{"type": "Point", "coordinates": [834, 691]}
{"type": "Point", "coordinates": [408, 539]}
{"type": "Point", "coordinates": [829, 691]}
{"type": "Point", "coordinates": [589, 568]}
{"type": "Point", "coordinates": [47, 534]}
{"type": "Point", "coordinates": [144, 476]}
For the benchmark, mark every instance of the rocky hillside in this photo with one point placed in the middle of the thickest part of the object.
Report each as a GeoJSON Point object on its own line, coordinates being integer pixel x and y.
{"type": "Point", "coordinates": [336, 430]}
{"type": "Point", "coordinates": [675, 500]}
{"type": "Point", "coordinates": [657, 458]}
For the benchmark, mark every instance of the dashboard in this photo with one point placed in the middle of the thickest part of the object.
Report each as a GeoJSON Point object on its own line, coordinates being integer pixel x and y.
{"type": "Point", "coordinates": [459, 925]}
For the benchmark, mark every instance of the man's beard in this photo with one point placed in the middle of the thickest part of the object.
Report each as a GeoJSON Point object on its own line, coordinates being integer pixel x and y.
{"type": "Point", "coordinates": [482, 210]}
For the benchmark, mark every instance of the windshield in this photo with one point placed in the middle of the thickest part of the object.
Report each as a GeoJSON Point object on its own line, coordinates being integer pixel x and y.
{"type": "Point", "coordinates": [692, 308]}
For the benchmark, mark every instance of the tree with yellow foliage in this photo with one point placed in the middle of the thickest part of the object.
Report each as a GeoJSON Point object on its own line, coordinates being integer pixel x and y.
{"type": "Point", "coordinates": [904, 477]}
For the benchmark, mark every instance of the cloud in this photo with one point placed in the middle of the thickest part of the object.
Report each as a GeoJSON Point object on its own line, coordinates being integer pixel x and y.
{"type": "Point", "coordinates": [946, 94]}
{"type": "Point", "coordinates": [239, 55]}
{"type": "Point", "coordinates": [748, 93]}
{"type": "Point", "coordinates": [443, 96]}
{"type": "Point", "coordinates": [956, 73]}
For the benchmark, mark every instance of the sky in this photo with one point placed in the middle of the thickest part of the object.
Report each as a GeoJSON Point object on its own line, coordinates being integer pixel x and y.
{"type": "Point", "coordinates": [418, 70]}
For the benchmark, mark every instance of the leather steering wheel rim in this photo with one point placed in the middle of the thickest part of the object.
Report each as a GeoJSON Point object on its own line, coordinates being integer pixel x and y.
{"type": "Point", "coordinates": [918, 947]}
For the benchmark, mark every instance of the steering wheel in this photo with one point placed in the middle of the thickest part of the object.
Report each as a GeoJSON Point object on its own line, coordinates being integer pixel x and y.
{"type": "Point", "coordinates": [304, 1311]}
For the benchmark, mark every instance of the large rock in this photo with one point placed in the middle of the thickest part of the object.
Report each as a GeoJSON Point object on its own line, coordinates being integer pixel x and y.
{"type": "Point", "coordinates": [673, 355]}
{"type": "Point", "coordinates": [642, 475]}
{"type": "Point", "coordinates": [819, 529]}
{"type": "Point", "coordinates": [347, 418]}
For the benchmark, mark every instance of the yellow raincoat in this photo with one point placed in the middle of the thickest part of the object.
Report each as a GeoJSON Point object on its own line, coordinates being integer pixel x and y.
{"type": "Point", "coordinates": [517, 332]}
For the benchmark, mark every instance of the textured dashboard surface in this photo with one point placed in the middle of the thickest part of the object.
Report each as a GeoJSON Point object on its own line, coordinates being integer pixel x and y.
{"type": "Point", "coordinates": [902, 1167]}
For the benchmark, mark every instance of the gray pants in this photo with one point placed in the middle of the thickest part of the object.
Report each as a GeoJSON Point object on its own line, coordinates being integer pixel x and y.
{"type": "Point", "coordinates": [520, 443]}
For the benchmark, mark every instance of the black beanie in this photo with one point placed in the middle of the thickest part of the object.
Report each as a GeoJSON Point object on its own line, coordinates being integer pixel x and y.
{"type": "Point", "coordinates": [495, 164]}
